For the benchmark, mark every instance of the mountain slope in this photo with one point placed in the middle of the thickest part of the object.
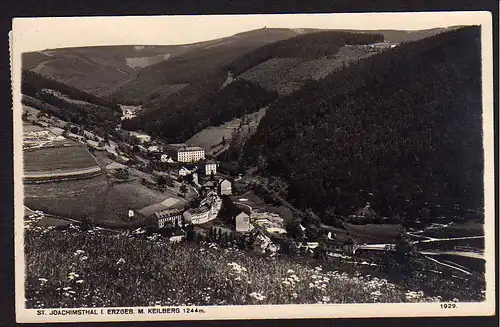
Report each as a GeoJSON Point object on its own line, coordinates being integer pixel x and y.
{"type": "Point", "coordinates": [69, 104]}
{"type": "Point", "coordinates": [96, 69]}
{"type": "Point", "coordinates": [191, 109]}
{"type": "Point", "coordinates": [401, 129]}
{"type": "Point", "coordinates": [199, 64]}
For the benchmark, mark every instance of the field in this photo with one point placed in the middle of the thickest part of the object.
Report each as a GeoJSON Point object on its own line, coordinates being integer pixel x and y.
{"type": "Point", "coordinates": [72, 199]}
{"type": "Point", "coordinates": [211, 137]}
{"type": "Point", "coordinates": [58, 158]}
{"type": "Point", "coordinates": [107, 206]}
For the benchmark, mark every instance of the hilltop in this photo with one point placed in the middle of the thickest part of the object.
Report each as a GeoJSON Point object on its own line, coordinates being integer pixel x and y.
{"type": "Point", "coordinates": [401, 130]}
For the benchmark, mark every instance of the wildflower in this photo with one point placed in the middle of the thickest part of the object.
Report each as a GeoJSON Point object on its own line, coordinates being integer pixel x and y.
{"type": "Point", "coordinates": [286, 282]}
{"type": "Point", "coordinates": [257, 296]}
{"type": "Point", "coordinates": [294, 295]}
{"type": "Point", "coordinates": [311, 285]}
{"type": "Point", "coordinates": [83, 258]}
{"type": "Point", "coordinates": [78, 252]}
{"type": "Point", "coordinates": [376, 293]}
{"type": "Point", "coordinates": [325, 299]}
{"type": "Point", "coordinates": [120, 261]}
{"type": "Point", "coordinates": [295, 278]}
{"type": "Point", "coordinates": [66, 288]}
{"type": "Point", "coordinates": [43, 280]}
{"type": "Point", "coordinates": [72, 275]}
{"type": "Point", "coordinates": [290, 271]}
{"type": "Point", "coordinates": [80, 281]}
{"type": "Point", "coordinates": [318, 269]}
{"type": "Point", "coordinates": [455, 300]}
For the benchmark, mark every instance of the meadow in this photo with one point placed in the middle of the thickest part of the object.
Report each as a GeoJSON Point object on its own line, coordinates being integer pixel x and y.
{"type": "Point", "coordinates": [58, 158]}
{"type": "Point", "coordinates": [71, 268]}
{"type": "Point", "coordinates": [72, 199]}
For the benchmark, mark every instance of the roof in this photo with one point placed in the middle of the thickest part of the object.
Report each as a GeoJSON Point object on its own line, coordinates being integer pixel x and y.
{"type": "Point", "coordinates": [170, 202]}
{"type": "Point", "coordinates": [168, 212]}
{"type": "Point", "coordinates": [191, 148]}
{"type": "Point", "coordinates": [243, 215]}
{"type": "Point", "coordinates": [149, 210]}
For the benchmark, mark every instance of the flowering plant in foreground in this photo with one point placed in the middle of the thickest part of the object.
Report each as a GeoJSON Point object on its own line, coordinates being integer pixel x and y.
{"type": "Point", "coordinates": [99, 268]}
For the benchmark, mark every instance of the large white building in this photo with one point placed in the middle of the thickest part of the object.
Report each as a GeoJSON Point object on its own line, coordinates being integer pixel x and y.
{"type": "Point", "coordinates": [185, 153]}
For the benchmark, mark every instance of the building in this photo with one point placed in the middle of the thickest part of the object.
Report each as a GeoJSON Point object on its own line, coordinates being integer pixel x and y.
{"type": "Point", "coordinates": [225, 187]}
{"type": "Point", "coordinates": [169, 218]}
{"type": "Point", "coordinates": [166, 158]}
{"type": "Point", "coordinates": [366, 212]}
{"type": "Point", "coordinates": [208, 167]}
{"type": "Point", "coordinates": [141, 136]}
{"type": "Point", "coordinates": [184, 171]}
{"type": "Point", "coordinates": [165, 214]}
{"type": "Point", "coordinates": [154, 148]}
{"type": "Point", "coordinates": [243, 223]}
{"type": "Point", "coordinates": [184, 153]}
{"type": "Point", "coordinates": [208, 210]}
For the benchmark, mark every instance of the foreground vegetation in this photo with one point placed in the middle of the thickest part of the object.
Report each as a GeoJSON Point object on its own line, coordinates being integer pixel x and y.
{"type": "Point", "coordinates": [69, 267]}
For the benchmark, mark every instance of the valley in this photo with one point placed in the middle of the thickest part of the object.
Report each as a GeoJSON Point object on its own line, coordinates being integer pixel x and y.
{"type": "Point", "coordinates": [350, 156]}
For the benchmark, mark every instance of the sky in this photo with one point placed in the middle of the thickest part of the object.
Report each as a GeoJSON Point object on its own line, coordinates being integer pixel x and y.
{"type": "Point", "coordinates": [34, 34]}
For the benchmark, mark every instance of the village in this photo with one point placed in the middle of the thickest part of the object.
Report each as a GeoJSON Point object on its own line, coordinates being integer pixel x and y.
{"type": "Point", "coordinates": [203, 192]}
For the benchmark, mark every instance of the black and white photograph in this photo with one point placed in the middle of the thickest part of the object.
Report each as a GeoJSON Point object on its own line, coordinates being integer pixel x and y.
{"type": "Point", "coordinates": [194, 167]}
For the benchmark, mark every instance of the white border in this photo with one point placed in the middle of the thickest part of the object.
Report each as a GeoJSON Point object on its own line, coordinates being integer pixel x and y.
{"type": "Point", "coordinates": [32, 34]}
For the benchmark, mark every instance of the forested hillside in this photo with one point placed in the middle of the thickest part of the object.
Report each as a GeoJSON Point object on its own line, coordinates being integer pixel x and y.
{"type": "Point", "coordinates": [235, 100]}
{"type": "Point", "coordinates": [68, 103]}
{"type": "Point", "coordinates": [203, 102]}
{"type": "Point", "coordinates": [401, 129]}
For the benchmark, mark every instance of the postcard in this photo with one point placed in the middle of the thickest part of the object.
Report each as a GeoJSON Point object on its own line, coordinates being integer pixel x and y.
{"type": "Point", "coordinates": [253, 166]}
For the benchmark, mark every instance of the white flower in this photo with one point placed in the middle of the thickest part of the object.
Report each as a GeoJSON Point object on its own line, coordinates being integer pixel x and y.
{"type": "Point", "coordinates": [325, 299]}
{"type": "Point", "coordinates": [72, 275]}
{"type": "Point", "coordinates": [43, 280]}
{"type": "Point", "coordinates": [257, 296]}
{"type": "Point", "coordinates": [79, 281]}
{"type": "Point", "coordinates": [120, 261]}
{"type": "Point", "coordinates": [78, 252]}
{"type": "Point", "coordinates": [290, 271]}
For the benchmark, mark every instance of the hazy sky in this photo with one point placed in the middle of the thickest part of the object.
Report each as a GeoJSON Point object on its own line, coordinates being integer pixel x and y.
{"type": "Point", "coordinates": [32, 34]}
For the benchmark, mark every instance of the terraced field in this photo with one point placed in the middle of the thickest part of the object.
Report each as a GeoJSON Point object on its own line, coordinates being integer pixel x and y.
{"type": "Point", "coordinates": [58, 158]}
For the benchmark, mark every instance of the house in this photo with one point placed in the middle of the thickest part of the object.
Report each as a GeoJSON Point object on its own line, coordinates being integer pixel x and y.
{"type": "Point", "coordinates": [143, 138]}
{"type": "Point", "coordinates": [184, 153]}
{"type": "Point", "coordinates": [166, 158]}
{"type": "Point", "coordinates": [243, 223]}
{"type": "Point", "coordinates": [208, 167]}
{"type": "Point", "coordinates": [165, 214]}
{"type": "Point", "coordinates": [225, 187]}
{"type": "Point", "coordinates": [366, 212]}
{"type": "Point", "coordinates": [184, 171]}
{"type": "Point", "coordinates": [153, 148]}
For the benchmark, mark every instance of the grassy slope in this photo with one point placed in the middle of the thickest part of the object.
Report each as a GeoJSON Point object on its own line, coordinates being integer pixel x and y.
{"type": "Point", "coordinates": [153, 272]}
